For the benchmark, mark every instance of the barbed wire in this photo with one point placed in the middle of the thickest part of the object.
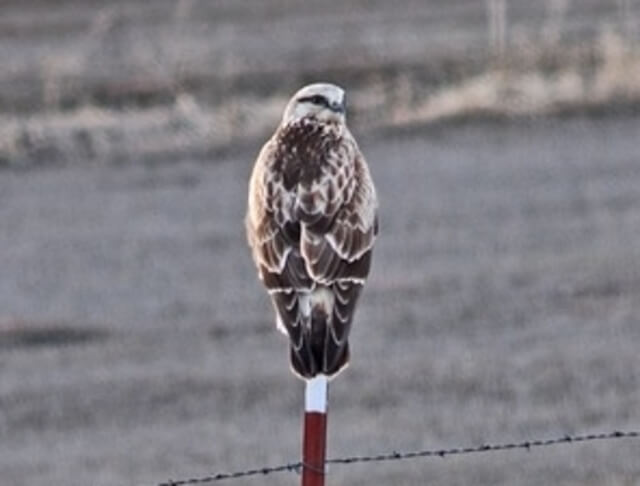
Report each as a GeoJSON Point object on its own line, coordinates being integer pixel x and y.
{"type": "Point", "coordinates": [395, 455]}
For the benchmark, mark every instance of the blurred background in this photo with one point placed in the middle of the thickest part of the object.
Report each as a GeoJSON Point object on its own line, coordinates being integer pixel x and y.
{"type": "Point", "coordinates": [136, 343]}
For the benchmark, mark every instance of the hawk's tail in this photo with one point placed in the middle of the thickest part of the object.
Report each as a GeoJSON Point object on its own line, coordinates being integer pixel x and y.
{"type": "Point", "coordinates": [320, 353]}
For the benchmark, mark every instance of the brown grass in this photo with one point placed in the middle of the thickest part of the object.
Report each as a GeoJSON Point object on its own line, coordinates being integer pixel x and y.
{"type": "Point", "coordinates": [157, 103]}
{"type": "Point", "coordinates": [605, 74]}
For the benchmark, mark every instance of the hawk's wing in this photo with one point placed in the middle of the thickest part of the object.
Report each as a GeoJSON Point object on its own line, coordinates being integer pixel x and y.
{"type": "Point", "coordinates": [274, 240]}
{"type": "Point", "coordinates": [337, 244]}
{"type": "Point", "coordinates": [338, 255]}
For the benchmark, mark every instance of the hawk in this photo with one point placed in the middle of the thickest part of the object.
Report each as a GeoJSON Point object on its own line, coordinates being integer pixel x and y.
{"type": "Point", "coordinates": [311, 225]}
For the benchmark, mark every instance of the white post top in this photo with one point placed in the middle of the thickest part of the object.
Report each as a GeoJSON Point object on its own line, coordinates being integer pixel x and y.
{"type": "Point", "coordinates": [315, 394]}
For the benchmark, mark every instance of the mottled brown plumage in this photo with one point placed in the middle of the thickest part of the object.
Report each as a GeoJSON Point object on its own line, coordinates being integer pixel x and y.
{"type": "Point", "coordinates": [311, 225]}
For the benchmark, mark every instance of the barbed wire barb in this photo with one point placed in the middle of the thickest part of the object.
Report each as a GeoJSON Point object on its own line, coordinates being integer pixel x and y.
{"type": "Point", "coordinates": [396, 455]}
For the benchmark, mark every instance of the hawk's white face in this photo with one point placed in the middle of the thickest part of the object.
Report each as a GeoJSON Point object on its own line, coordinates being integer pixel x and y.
{"type": "Point", "coordinates": [322, 101]}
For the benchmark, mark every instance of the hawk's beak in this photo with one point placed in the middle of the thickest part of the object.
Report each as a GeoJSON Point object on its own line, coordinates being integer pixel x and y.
{"type": "Point", "coordinates": [339, 107]}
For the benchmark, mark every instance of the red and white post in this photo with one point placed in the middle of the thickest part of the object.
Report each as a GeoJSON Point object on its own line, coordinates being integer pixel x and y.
{"type": "Point", "coordinates": [314, 442]}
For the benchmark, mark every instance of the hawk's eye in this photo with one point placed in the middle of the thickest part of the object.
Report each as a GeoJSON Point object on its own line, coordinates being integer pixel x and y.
{"type": "Point", "coordinates": [318, 100]}
{"type": "Point", "coordinates": [315, 100]}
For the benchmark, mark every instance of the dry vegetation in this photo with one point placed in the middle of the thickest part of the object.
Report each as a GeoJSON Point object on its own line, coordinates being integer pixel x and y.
{"type": "Point", "coordinates": [544, 81]}
{"type": "Point", "coordinates": [121, 92]}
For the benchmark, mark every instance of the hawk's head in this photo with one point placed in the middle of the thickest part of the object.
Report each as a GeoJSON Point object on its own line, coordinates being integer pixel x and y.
{"type": "Point", "coordinates": [322, 101]}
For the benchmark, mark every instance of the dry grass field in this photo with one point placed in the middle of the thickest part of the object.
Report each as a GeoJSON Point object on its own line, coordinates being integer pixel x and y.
{"type": "Point", "coordinates": [136, 344]}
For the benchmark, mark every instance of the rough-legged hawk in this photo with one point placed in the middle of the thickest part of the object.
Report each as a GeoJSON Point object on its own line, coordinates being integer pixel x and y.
{"type": "Point", "coordinates": [311, 226]}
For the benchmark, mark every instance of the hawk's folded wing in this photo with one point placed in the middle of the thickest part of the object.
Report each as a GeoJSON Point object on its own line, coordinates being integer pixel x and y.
{"type": "Point", "coordinates": [338, 246]}
{"type": "Point", "coordinates": [274, 241]}
{"type": "Point", "coordinates": [339, 255]}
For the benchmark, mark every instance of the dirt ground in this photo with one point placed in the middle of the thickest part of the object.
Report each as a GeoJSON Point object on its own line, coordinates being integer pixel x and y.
{"type": "Point", "coordinates": [136, 344]}
{"type": "Point", "coordinates": [503, 305]}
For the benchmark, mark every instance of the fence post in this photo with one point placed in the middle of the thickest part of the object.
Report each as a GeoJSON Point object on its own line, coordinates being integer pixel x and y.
{"type": "Point", "coordinates": [314, 441]}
